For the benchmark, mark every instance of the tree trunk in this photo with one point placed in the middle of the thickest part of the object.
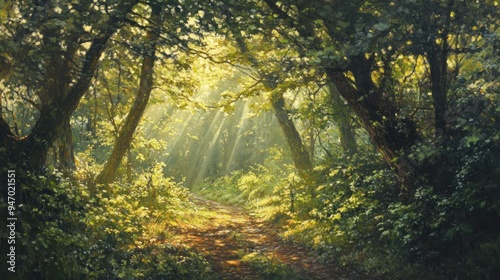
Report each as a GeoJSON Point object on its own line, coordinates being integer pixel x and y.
{"type": "Point", "coordinates": [300, 156]}
{"type": "Point", "coordinates": [30, 153]}
{"type": "Point", "coordinates": [343, 120]}
{"type": "Point", "coordinates": [130, 166]}
{"type": "Point", "coordinates": [299, 152]}
{"type": "Point", "coordinates": [65, 150]}
{"type": "Point", "coordinates": [438, 70]}
{"type": "Point", "coordinates": [125, 136]}
{"type": "Point", "coordinates": [437, 58]}
{"type": "Point", "coordinates": [7, 137]}
{"type": "Point", "coordinates": [390, 133]}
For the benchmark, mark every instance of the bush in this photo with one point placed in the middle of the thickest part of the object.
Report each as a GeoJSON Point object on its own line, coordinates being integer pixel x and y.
{"type": "Point", "coordinates": [68, 233]}
{"type": "Point", "coordinates": [269, 268]}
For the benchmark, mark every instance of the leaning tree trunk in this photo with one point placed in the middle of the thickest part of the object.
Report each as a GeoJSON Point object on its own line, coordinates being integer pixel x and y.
{"type": "Point", "coordinates": [391, 134]}
{"type": "Point", "coordinates": [300, 156]}
{"type": "Point", "coordinates": [125, 136]}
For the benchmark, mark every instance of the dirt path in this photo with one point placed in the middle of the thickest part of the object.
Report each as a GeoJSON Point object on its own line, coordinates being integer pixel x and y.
{"type": "Point", "coordinates": [240, 247]}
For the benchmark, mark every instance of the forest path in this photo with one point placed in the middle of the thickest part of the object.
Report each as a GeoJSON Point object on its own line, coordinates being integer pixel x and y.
{"type": "Point", "coordinates": [226, 234]}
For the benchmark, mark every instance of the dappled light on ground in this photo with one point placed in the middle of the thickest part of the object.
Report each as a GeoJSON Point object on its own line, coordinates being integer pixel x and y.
{"type": "Point", "coordinates": [230, 239]}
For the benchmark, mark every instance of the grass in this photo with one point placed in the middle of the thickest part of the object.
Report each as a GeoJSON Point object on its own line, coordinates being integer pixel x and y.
{"type": "Point", "coordinates": [269, 268]}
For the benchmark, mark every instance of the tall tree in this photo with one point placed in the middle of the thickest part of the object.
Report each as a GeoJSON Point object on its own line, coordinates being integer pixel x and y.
{"type": "Point", "coordinates": [357, 44]}
{"type": "Point", "coordinates": [55, 50]}
{"type": "Point", "coordinates": [300, 155]}
{"type": "Point", "coordinates": [122, 143]}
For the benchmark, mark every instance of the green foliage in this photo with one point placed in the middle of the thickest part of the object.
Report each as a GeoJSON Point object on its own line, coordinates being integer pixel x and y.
{"type": "Point", "coordinates": [457, 222]}
{"type": "Point", "coordinates": [350, 198]}
{"type": "Point", "coordinates": [264, 188]}
{"type": "Point", "coordinates": [69, 233]}
{"type": "Point", "coordinates": [52, 238]}
{"type": "Point", "coordinates": [224, 189]}
{"type": "Point", "coordinates": [117, 223]}
{"type": "Point", "coordinates": [444, 230]}
{"type": "Point", "coordinates": [269, 268]}
{"type": "Point", "coordinates": [358, 219]}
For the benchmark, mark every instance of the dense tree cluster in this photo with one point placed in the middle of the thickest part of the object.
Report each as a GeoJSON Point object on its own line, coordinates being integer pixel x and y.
{"type": "Point", "coordinates": [389, 112]}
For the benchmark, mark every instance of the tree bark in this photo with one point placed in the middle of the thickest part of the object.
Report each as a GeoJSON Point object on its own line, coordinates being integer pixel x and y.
{"type": "Point", "coordinates": [437, 59]}
{"type": "Point", "coordinates": [134, 116]}
{"type": "Point", "coordinates": [391, 133]}
{"type": "Point", "coordinates": [438, 70]}
{"type": "Point", "coordinates": [65, 150]}
{"type": "Point", "coordinates": [300, 156]}
{"type": "Point", "coordinates": [343, 120]}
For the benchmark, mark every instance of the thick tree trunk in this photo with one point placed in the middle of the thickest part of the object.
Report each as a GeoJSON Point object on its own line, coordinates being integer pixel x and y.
{"type": "Point", "coordinates": [391, 133]}
{"type": "Point", "coordinates": [65, 150]}
{"type": "Point", "coordinates": [344, 122]}
{"type": "Point", "coordinates": [438, 70]}
{"type": "Point", "coordinates": [125, 136]}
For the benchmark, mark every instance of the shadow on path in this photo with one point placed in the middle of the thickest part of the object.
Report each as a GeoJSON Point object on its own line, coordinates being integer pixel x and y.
{"type": "Point", "coordinates": [227, 234]}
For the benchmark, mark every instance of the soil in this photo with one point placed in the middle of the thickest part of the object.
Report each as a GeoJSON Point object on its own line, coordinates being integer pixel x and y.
{"type": "Point", "coordinates": [229, 233]}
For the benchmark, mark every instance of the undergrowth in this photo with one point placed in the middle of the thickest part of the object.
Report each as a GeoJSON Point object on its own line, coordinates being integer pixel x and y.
{"type": "Point", "coordinates": [352, 213]}
{"type": "Point", "coordinates": [113, 232]}
{"type": "Point", "coordinates": [269, 268]}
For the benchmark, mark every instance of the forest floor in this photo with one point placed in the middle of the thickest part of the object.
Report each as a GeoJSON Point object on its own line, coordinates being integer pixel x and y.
{"type": "Point", "coordinates": [239, 246]}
